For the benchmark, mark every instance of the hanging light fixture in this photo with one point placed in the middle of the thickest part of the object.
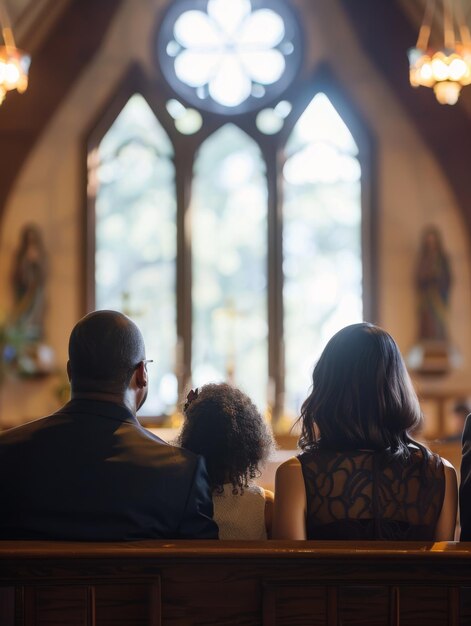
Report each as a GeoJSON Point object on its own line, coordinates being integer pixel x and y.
{"type": "Point", "coordinates": [14, 63]}
{"type": "Point", "coordinates": [447, 69]}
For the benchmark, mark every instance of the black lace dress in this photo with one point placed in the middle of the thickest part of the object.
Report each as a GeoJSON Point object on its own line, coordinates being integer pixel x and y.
{"type": "Point", "coordinates": [372, 495]}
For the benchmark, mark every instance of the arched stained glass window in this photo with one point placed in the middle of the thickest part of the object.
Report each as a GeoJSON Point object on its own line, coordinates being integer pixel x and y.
{"type": "Point", "coordinates": [321, 240]}
{"type": "Point", "coordinates": [135, 260]}
{"type": "Point", "coordinates": [229, 244]}
{"type": "Point", "coordinates": [235, 236]}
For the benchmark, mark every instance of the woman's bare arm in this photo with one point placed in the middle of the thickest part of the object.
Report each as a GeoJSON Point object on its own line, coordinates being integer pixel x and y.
{"type": "Point", "coordinates": [445, 530]}
{"type": "Point", "coordinates": [289, 521]}
{"type": "Point", "coordinates": [269, 506]}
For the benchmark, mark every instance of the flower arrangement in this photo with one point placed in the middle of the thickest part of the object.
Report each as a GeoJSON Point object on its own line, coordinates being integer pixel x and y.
{"type": "Point", "coordinates": [10, 345]}
{"type": "Point", "coordinates": [19, 356]}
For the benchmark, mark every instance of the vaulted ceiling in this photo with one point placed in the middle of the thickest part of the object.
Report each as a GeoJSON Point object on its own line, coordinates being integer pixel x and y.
{"type": "Point", "coordinates": [74, 37]}
{"type": "Point", "coordinates": [72, 31]}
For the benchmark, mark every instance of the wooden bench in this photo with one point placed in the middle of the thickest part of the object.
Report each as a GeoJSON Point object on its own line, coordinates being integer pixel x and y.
{"type": "Point", "coordinates": [282, 583]}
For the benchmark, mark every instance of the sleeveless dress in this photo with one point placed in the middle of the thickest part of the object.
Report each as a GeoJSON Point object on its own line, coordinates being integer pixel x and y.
{"type": "Point", "coordinates": [240, 516]}
{"type": "Point", "coordinates": [372, 495]}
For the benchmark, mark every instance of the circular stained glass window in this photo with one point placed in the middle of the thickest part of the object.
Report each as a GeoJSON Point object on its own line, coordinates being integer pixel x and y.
{"type": "Point", "coordinates": [229, 56]}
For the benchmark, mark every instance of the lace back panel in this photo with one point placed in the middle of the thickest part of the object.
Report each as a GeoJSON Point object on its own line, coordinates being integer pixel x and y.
{"type": "Point", "coordinates": [372, 495]}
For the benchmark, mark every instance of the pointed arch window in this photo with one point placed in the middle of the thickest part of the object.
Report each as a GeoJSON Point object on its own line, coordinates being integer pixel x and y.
{"type": "Point", "coordinates": [322, 269]}
{"type": "Point", "coordinates": [229, 242]}
{"type": "Point", "coordinates": [135, 249]}
{"type": "Point", "coordinates": [238, 235]}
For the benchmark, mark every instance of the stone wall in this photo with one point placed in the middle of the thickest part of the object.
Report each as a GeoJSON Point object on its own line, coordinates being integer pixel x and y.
{"type": "Point", "coordinates": [411, 191]}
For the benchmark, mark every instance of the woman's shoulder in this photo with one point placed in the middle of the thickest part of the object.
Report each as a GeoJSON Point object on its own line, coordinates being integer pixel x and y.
{"type": "Point", "coordinates": [288, 472]}
{"type": "Point", "coordinates": [430, 464]}
{"type": "Point", "coordinates": [319, 457]}
{"type": "Point", "coordinates": [421, 453]}
{"type": "Point", "coordinates": [418, 456]}
{"type": "Point", "coordinates": [449, 470]}
{"type": "Point", "coordinates": [293, 461]}
{"type": "Point", "coordinates": [290, 466]}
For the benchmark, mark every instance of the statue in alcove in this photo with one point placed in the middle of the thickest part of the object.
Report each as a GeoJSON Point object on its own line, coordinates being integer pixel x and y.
{"type": "Point", "coordinates": [29, 283]}
{"type": "Point", "coordinates": [433, 286]}
{"type": "Point", "coordinates": [433, 281]}
{"type": "Point", "coordinates": [29, 276]}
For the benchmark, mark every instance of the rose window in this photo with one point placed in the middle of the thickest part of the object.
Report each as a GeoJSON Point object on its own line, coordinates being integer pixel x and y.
{"type": "Point", "coordinates": [229, 56]}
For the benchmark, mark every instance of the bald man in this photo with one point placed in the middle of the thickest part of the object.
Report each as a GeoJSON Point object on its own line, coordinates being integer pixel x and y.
{"type": "Point", "coordinates": [91, 472]}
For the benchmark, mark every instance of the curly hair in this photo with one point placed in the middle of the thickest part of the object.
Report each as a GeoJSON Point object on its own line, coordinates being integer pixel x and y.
{"type": "Point", "coordinates": [225, 427]}
{"type": "Point", "coordinates": [362, 396]}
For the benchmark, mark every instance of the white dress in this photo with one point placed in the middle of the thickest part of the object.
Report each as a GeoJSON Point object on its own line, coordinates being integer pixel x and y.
{"type": "Point", "coordinates": [240, 516]}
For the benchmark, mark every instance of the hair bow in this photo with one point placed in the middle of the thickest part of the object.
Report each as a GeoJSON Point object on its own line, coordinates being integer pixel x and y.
{"type": "Point", "coordinates": [192, 395]}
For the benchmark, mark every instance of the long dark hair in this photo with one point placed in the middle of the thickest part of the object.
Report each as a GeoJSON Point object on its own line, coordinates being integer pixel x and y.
{"type": "Point", "coordinates": [362, 396]}
{"type": "Point", "coordinates": [223, 425]}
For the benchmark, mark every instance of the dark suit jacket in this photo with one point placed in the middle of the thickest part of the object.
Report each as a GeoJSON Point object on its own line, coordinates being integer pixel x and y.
{"type": "Point", "coordinates": [465, 486]}
{"type": "Point", "coordinates": [91, 472]}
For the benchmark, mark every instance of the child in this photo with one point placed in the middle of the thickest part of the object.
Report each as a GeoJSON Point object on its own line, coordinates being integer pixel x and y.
{"type": "Point", "coordinates": [225, 427]}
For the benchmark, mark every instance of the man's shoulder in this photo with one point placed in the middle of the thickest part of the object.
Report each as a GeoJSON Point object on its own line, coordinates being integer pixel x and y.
{"type": "Point", "coordinates": [17, 433]}
{"type": "Point", "coordinates": [171, 450]}
{"type": "Point", "coordinates": [150, 446]}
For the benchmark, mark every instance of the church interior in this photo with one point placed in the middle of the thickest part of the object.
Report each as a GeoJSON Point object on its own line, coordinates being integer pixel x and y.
{"type": "Point", "coordinates": [242, 178]}
{"type": "Point", "coordinates": [241, 199]}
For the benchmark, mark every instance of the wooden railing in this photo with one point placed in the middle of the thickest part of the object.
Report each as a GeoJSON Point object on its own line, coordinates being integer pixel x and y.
{"type": "Point", "coordinates": [278, 583]}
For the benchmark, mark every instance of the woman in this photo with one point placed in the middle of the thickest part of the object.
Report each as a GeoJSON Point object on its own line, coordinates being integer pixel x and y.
{"type": "Point", "coordinates": [360, 475]}
{"type": "Point", "coordinates": [223, 425]}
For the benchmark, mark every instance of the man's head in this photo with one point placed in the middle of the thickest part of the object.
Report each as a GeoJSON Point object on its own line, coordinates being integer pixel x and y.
{"type": "Point", "coordinates": [106, 349]}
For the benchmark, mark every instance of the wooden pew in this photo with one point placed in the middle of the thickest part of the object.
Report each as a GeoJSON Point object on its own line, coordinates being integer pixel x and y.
{"type": "Point", "coordinates": [274, 583]}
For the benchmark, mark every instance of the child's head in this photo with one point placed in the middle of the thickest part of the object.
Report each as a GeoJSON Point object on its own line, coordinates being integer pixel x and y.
{"type": "Point", "coordinates": [225, 427]}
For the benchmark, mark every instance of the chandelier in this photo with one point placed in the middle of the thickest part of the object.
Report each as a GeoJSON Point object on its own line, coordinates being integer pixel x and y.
{"type": "Point", "coordinates": [14, 63]}
{"type": "Point", "coordinates": [447, 69]}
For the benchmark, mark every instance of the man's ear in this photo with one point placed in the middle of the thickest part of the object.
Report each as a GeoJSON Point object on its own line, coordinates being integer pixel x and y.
{"type": "Point", "coordinates": [141, 375]}
{"type": "Point", "coordinates": [69, 371]}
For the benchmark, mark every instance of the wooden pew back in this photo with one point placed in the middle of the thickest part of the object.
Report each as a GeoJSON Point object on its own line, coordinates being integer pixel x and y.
{"type": "Point", "coordinates": [282, 583]}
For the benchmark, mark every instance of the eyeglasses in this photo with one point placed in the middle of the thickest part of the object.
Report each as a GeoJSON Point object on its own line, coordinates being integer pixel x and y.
{"type": "Point", "coordinates": [145, 361]}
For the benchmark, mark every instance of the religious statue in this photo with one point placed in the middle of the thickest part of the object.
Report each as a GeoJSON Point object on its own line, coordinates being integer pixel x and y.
{"type": "Point", "coordinates": [29, 281]}
{"type": "Point", "coordinates": [30, 355]}
{"type": "Point", "coordinates": [433, 279]}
